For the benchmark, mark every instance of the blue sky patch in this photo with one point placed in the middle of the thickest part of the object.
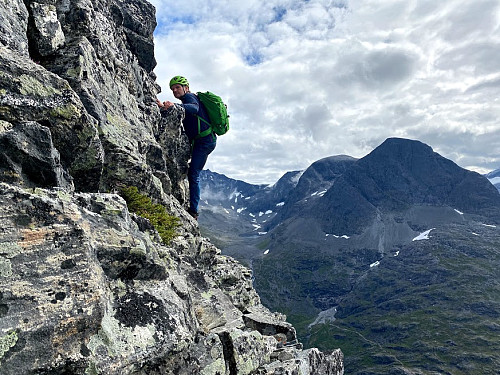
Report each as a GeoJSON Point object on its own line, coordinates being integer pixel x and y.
{"type": "Point", "coordinates": [167, 24]}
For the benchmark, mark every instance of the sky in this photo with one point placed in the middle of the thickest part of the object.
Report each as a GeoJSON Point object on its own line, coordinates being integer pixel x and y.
{"type": "Point", "coordinates": [308, 79]}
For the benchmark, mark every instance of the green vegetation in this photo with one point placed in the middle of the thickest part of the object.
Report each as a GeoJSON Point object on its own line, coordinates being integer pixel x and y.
{"type": "Point", "coordinates": [32, 86]}
{"type": "Point", "coordinates": [263, 245]}
{"type": "Point", "coordinates": [157, 214]}
{"type": "Point", "coordinates": [434, 308]}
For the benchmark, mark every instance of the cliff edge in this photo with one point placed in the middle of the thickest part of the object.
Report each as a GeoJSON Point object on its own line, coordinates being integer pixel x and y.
{"type": "Point", "coordinates": [86, 286]}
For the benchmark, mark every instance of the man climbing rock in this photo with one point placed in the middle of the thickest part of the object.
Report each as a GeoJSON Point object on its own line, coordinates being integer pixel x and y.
{"type": "Point", "coordinates": [203, 141]}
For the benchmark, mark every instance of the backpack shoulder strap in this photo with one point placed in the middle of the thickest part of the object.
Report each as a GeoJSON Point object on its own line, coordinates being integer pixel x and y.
{"type": "Point", "coordinates": [206, 132]}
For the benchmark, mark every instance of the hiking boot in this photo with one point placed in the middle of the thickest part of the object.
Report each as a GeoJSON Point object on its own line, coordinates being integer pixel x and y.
{"type": "Point", "coordinates": [193, 214]}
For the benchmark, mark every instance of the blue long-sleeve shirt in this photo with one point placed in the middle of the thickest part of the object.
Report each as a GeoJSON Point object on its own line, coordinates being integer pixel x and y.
{"type": "Point", "coordinates": [193, 107]}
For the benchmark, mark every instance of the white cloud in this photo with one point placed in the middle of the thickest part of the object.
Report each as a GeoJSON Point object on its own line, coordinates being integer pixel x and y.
{"type": "Point", "coordinates": [309, 79]}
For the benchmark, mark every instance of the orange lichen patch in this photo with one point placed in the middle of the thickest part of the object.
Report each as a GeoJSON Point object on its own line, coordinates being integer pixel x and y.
{"type": "Point", "coordinates": [66, 328]}
{"type": "Point", "coordinates": [34, 237]}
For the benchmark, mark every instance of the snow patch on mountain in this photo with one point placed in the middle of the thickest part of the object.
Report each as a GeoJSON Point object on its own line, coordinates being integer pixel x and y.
{"type": "Point", "coordinates": [324, 317]}
{"type": "Point", "coordinates": [423, 235]}
{"type": "Point", "coordinates": [319, 193]}
{"type": "Point", "coordinates": [490, 226]}
{"type": "Point", "coordinates": [346, 237]}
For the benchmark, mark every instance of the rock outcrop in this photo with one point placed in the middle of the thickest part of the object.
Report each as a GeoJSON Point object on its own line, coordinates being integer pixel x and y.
{"type": "Point", "coordinates": [86, 287]}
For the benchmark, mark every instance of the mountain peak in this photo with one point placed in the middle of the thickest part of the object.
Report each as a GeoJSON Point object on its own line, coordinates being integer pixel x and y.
{"type": "Point", "coordinates": [410, 171]}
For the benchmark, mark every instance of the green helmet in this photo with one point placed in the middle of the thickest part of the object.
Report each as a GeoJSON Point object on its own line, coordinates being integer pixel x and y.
{"type": "Point", "coordinates": [179, 80]}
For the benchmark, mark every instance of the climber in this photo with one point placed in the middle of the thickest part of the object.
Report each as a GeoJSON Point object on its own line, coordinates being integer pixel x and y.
{"type": "Point", "coordinates": [201, 146]}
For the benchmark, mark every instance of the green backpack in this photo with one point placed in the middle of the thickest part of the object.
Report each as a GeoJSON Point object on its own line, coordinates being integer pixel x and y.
{"type": "Point", "coordinates": [217, 112]}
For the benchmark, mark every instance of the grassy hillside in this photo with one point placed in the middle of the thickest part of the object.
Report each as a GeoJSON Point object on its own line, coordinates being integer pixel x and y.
{"type": "Point", "coordinates": [434, 308]}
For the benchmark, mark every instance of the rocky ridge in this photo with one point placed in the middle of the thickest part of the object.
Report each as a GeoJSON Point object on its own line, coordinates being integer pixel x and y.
{"type": "Point", "coordinates": [86, 287]}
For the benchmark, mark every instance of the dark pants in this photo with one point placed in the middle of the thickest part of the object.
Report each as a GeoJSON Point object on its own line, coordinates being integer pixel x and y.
{"type": "Point", "coordinates": [201, 149]}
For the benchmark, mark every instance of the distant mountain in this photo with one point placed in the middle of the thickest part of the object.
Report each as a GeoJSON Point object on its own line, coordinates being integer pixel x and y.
{"type": "Point", "coordinates": [219, 190]}
{"type": "Point", "coordinates": [381, 255]}
{"type": "Point", "coordinates": [235, 213]}
{"type": "Point", "coordinates": [313, 184]}
{"type": "Point", "coordinates": [494, 178]}
{"type": "Point", "coordinates": [396, 176]}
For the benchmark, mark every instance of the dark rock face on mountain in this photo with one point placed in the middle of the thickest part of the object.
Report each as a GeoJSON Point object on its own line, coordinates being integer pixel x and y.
{"type": "Point", "coordinates": [395, 257]}
{"type": "Point", "coordinates": [251, 201]}
{"type": "Point", "coordinates": [397, 175]}
{"type": "Point", "coordinates": [86, 287]}
{"type": "Point", "coordinates": [314, 183]}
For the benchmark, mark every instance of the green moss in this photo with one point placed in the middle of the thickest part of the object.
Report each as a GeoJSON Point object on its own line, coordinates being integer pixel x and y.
{"type": "Point", "coordinates": [92, 369]}
{"type": "Point", "coordinates": [67, 112]}
{"type": "Point", "coordinates": [73, 72]}
{"type": "Point", "coordinates": [157, 214]}
{"type": "Point", "coordinates": [6, 342]}
{"type": "Point", "coordinates": [32, 86]}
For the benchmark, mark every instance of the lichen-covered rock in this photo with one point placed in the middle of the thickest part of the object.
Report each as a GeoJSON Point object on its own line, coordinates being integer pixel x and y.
{"type": "Point", "coordinates": [84, 290]}
{"type": "Point", "coordinates": [100, 102]}
{"type": "Point", "coordinates": [248, 350]}
{"type": "Point", "coordinates": [47, 35]}
{"type": "Point", "coordinates": [274, 324]}
{"type": "Point", "coordinates": [13, 26]}
{"type": "Point", "coordinates": [289, 361]}
{"type": "Point", "coordinates": [108, 59]}
{"type": "Point", "coordinates": [29, 93]}
{"type": "Point", "coordinates": [85, 286]}
{"type": "Point", "coordinates": [28, 156]}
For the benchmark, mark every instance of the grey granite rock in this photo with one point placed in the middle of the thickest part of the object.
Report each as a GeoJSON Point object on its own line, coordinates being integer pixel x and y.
{"type": "Point", "coordinates": [84, 290]}
{"type": "Point", "coordinates": [13, 26]}
{"type": "Point", "coordinates": [86, 287]}
{"type": "Point", "coordinates": [46, 30]}
{"type": "Point", "coordinates": [28, 92]}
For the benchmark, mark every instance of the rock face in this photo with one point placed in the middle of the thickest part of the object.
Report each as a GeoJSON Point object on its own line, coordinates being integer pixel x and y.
{"type": "Point", "coordinates": [86, 287]}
